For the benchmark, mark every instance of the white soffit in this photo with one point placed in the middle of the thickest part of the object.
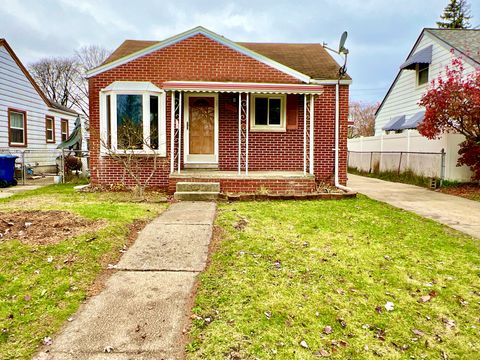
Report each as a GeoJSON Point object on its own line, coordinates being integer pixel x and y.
{"type": "Point", "coordinates": [132, 86]}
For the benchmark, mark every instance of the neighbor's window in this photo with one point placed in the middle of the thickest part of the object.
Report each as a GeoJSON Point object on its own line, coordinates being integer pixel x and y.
{"type": "Point", "coordinates": [268, 112]}
{"type": "Point", "coordinates": [130, 121]}
{"type": "Point", "coordinates": [17, 127]}
{"type": "Point", "coordinates": [422, 74]}
{"type": "Point", "coordinates": [65, 133]}
{"type": "Point", "coordinates": [50, 129]}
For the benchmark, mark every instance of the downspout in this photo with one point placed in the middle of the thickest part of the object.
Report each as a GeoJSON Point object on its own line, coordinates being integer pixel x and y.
{"type": "Point", "coordinates": [337, 138]}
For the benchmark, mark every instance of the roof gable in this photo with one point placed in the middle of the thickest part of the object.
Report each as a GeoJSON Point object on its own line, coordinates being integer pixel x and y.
{"type": "Point", "coordinates": [48, 102]}
{"type": "Point", "coordinates": [24, 70]}
{"type": "Point", "coordinates": [465, 41]}
{"type": "Point", "coordinates": [129, 46]}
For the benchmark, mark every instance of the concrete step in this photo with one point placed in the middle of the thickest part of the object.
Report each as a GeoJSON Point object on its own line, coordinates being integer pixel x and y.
{"type": "Point", "coordinates": [198, 187]}
{"type": "Point", "coordinates": [196, 195]}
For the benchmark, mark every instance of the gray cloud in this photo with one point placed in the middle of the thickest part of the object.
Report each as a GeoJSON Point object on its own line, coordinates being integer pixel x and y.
{"type": "Point", "coordinates": [381, 33]}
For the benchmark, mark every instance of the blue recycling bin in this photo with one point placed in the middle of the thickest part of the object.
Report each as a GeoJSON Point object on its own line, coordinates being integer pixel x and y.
{"type": "Point", "coordinates": [7, 170]}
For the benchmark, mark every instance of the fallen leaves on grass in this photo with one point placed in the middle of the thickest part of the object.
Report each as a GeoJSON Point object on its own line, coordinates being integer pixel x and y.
{"type": "Point", "coordinates": [389, 306]}
{"type": "Point", "coordinates": [327, 330]}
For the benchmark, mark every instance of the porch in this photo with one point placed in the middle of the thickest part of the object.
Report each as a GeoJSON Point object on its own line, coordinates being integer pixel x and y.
{"type": "Point", "coordinates": [217, 126]}
{"type": "Point", "coordinates": [268, 182]}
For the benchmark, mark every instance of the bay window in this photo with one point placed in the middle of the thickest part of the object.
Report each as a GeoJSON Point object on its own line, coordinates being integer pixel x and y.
{"type": "Point", "coordinates": [132, 118]}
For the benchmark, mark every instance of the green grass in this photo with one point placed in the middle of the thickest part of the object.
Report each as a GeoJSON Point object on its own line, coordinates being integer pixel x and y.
{"type": "Point", "coordinates": [309, 264]}
{"type": "Point", "coordinates": [37, 296]}
{"type": "Point", "coordinates": [406, 177]}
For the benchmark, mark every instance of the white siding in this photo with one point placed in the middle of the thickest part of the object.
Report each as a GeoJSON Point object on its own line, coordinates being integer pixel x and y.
{"type": "Point", "coordinates": [17, 92]}
{"type": "Point", "coordinates": [405, 94]}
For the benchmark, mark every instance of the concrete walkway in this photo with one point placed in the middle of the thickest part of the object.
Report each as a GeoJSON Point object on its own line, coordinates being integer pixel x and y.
{"type": "Point", "coordinates": [143, 309]}
{"type": "Point", "coordinates": [12, 190]}
{"type": "Point", "coordinates": [456, 212]}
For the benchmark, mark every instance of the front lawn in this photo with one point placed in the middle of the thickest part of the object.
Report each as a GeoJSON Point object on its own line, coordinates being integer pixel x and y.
{"type": "Point", "coordinates": [344, 279]}
{"type": "Point", "coordinates": [43, 279]}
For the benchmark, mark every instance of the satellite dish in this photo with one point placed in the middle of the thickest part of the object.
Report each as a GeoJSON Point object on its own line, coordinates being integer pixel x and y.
{"type": "Point", "coordinates": [341, 47]}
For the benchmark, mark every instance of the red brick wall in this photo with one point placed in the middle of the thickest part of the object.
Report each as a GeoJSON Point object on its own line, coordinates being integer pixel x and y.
{"type": "Point", "coordinates": [272, 186]}
{"type": "Point", "coordinates": [324, 139]}
{"type": "Point", "coordinates": [200, 58]}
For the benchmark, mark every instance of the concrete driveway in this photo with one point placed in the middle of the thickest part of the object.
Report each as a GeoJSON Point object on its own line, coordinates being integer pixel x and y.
{"type": "Point", "coordinates": [456, 212]}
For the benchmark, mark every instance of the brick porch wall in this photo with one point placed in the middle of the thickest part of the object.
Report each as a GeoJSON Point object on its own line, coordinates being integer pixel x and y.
{"type": "Point", "coordinates": [273, 186]}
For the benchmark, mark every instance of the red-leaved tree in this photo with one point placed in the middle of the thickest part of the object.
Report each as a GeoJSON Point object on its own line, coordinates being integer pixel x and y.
{"type": "Point", "coordinates": [452, 105]}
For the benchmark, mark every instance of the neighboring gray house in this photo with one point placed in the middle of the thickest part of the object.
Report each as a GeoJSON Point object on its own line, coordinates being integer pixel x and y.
{"type": "Point", "coordinates": [28, 119]}
{"type": "Point", "coordinates": [399, 114]}
{"type": "Point", "coordinates": [432, 51]}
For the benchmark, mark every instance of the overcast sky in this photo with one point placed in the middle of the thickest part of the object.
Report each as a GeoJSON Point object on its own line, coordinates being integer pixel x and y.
{"type": "Point", "coordinates": [381, 32]}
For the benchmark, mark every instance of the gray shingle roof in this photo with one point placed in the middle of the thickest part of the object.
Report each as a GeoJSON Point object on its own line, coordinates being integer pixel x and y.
{"type": "Point", "coordinates": [466, 41]}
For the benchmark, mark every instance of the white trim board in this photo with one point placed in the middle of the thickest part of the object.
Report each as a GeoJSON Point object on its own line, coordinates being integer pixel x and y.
{"type": "Point", "coordinates": [200, 159]}
{"type": "Point", "coordinates": [209, 34]}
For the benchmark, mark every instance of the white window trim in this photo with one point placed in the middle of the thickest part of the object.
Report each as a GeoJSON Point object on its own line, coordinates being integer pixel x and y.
{"type": "Point", "coordinates": [417, 76]}
{"type": "Point", "coordinates": [52, 129]}
{"type": "Point", "coordinates": [283, 114]}
{"type": "Point", "coordinates": [129, 90]}
{"type": "Point", "coordinates": [24, 122]}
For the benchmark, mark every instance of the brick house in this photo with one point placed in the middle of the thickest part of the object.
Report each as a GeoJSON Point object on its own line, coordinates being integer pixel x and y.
{"type": "Point", "coordinates": [250, 116]}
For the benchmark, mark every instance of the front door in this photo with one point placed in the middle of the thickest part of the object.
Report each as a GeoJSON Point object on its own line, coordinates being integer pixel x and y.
{"type": "Point", "coordinates": [201, 129]}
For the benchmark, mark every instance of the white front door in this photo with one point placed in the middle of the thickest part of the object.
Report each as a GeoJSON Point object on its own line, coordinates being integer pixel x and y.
{"type": "Point", "coordinates": [201, 129]}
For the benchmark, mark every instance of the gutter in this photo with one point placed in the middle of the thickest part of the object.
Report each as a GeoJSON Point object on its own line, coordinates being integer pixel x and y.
{"type": "Point", "coordinates": [337, 138]}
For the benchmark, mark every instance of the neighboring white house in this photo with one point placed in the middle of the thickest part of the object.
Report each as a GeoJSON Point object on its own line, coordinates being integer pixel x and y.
{"type": "Point", "coordinates": [28, 119]}
{"type": "Point", "coordinates": [399, 113]}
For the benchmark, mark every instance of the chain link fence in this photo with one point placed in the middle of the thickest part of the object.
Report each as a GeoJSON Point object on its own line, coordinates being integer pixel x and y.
{"type": "Point", "coordinates": [32, 164]}
{"type": "Point", "coordinates": [425, 164]}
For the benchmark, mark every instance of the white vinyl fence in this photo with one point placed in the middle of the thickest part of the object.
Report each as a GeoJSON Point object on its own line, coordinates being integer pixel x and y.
{"type": "Point", "coordinates": [409, 151]}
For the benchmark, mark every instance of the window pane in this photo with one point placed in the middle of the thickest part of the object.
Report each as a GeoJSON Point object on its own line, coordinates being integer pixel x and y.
{"type": "Point", "coordinates": [275, 109]}
{"type": "Point", "coordinates": [129, 122]}
{"type": "Point", "coordinates": [154, 122]}
{"type": "Point", "coordinates": [16, 120]}
{"type": "Point", "coordinates": [422, 74]}
{"type": "Point", "coordinates": [261, 111]}
{"type": "Point", "coordinates": [16, 136]}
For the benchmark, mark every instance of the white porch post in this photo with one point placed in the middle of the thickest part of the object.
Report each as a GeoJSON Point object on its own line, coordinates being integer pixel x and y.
{"type": "Point", "coordinates": [239, 133]}
{"type": "Point", "coordinates": [304, 134]}
{"type": "Point", "coordinates": [172, 133]}
{"type": "Point", "coordinates": [312, 117]}
{"type": "Point", "coordinates": [247, 125]}
{"type": "Point", "coordinates": [180, 122]}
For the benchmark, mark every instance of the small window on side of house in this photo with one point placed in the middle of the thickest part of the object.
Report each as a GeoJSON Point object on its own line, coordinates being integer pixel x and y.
{"type": "Point", "coordinates": [64, 124]}
{"type": "Point", "coordinates": [268, 113]}
{"type": "Point", "coordinates": [50, 129]}
{"type": "Point", "coordinates": [422, 74]}
{"type": "Point", "coordinates": [17, 127]}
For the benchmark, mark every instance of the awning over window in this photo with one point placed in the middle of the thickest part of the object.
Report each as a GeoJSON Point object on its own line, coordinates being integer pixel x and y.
{"type": "Point", "coordinates": [423, 56]}
{"type": "Point", "coordinates": [413, 122]}
{"type": "Point", "coordinates": [237, 87]}
{"type": "Point", "coordinates": [395, 123]}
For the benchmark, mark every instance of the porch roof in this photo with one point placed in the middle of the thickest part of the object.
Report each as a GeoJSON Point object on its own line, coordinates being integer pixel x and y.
{"type": "Point", "coordinates": [239, 87]}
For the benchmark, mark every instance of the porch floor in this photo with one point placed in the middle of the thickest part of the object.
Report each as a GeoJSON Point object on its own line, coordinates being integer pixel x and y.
{"type": "Point", "coordinates": [252, 175]}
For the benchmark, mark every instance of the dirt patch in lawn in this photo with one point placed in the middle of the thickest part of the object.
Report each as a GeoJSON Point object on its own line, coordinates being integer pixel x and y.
{"type": "Point", "coordinates": [468, 191]}
{"type": "Point", "coordinates": [43, 227]}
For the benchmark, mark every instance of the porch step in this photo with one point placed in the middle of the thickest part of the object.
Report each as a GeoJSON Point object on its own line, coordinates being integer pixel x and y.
{"type": "Point", "coordinates": [197, 191]}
